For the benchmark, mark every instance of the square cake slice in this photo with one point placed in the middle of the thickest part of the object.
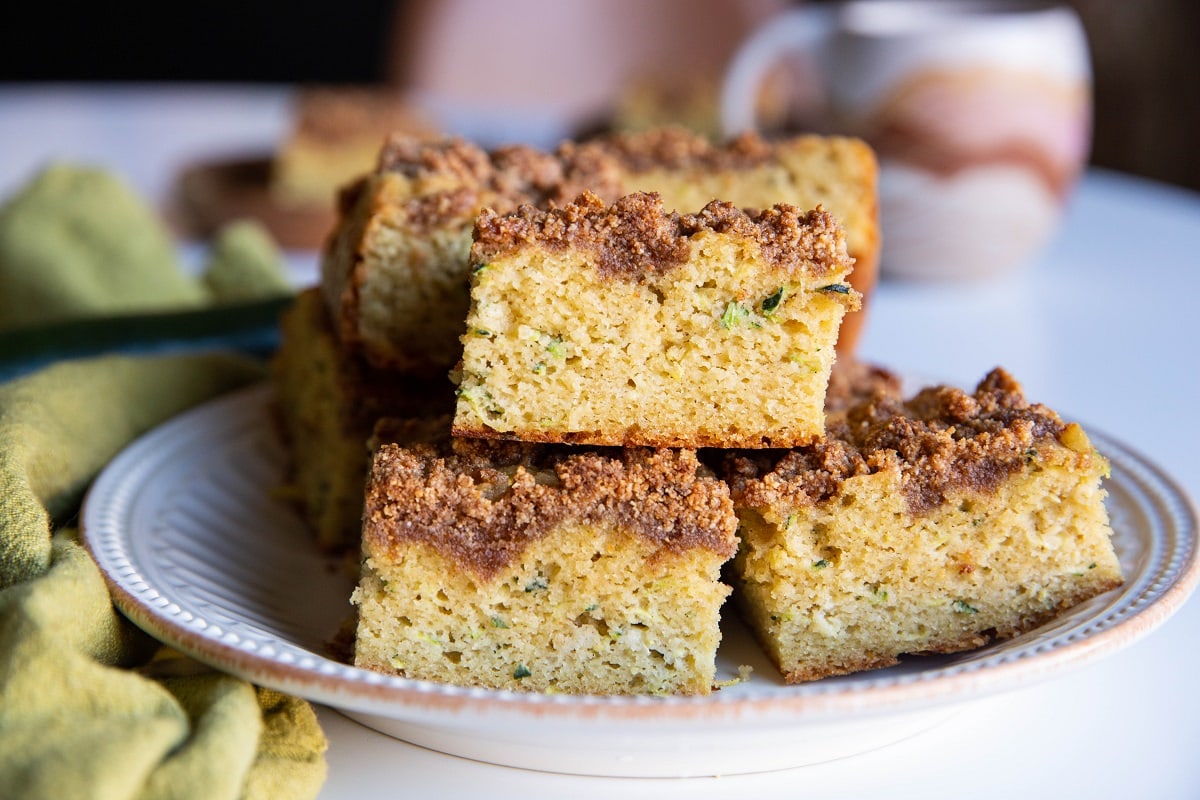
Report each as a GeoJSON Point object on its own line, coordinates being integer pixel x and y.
{"type": "Point", "coordinates": [632, 325]}
{"type": "Point", "coordinates": [533, 567]}
{"type": "Point", "coordinates": [394, 269]}
{"type": "Point", "coordinates": [928, 526]}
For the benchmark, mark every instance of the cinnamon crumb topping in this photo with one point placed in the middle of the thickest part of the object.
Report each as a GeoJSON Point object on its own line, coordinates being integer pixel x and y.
{"type": "Point", "coordinates": [941, 440]}
{"type": "Point", "coordinates": [501, 179]}
{"type": "Point", "coordinates": [851, 381]}
{"type": "Point", "coordinates": [636, 235]}
{"type": "Point", "coordinates": [481, 503]}
{"type": "Point", "coordinates": [669, 148]}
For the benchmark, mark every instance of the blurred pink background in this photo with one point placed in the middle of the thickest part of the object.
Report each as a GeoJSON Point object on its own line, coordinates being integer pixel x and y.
{"type": "Point", "coordinates": [1144, 53]}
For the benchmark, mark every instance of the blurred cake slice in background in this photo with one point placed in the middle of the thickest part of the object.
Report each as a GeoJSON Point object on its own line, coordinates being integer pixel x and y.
{"type": "Point", "coordinates": [335, 136]}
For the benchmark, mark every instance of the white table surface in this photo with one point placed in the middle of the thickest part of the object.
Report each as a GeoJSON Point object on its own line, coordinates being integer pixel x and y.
{"type": "Point", "coordinates": [1103, 327]}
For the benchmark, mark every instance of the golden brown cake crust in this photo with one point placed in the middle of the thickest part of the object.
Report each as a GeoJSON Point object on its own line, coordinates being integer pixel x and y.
{"type": "Point", "coordinates": [941, 440]}
{"type": "Point", "coordinates": [480, 503]}
{"type": "Point", "coordinates": [414, 157]}
{"type": "Point", "coordinates": [636, 235]}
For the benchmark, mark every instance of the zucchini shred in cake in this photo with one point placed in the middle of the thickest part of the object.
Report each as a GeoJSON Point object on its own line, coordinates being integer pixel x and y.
{"type": "Point", "coordinates": [632, 325]}
{"type": "Point", "coordinates": [521, 566]}
{"type": "Point", "coordinates": [928, 526]}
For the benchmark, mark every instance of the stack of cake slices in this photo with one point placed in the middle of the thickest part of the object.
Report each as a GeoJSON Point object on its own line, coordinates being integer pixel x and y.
{"type": "Point", "coordinates": [563, 405]}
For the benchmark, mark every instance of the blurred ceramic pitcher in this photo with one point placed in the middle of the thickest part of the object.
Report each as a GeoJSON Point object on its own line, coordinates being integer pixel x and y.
{"type": "Point", "coordinates": [980, 113]}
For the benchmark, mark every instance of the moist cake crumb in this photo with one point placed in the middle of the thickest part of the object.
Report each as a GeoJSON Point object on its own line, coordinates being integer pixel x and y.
{"type": "Point", "coordinates": [928, 526]}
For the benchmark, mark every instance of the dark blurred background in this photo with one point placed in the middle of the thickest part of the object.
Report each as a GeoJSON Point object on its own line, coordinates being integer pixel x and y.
{"type": "Point", "coordinates": [1145, 59]}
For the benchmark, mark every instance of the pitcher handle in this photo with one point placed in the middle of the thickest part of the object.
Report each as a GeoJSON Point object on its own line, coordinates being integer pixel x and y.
{"type": "Point", "coordinates": [796, 31]}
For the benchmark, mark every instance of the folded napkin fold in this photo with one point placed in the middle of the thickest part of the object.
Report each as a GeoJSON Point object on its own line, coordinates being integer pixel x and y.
{"type": "Point", "coordinates": [89, 705]}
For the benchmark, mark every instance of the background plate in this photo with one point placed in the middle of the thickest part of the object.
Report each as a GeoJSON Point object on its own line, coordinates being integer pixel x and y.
{"type": "Point", "coordinates": [200, 550]}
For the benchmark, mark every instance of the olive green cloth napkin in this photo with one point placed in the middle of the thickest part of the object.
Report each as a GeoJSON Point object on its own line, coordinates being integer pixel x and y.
{"type": "Point", "coordinates": [89, 705]}
{"type": "Point", "coordinates": [77, 242]}
{"type": "Point", "coordinates": [87, 708]}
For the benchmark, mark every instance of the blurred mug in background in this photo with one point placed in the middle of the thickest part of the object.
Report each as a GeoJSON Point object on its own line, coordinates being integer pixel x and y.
{"type": "Point", "coordinates": [980, 112]}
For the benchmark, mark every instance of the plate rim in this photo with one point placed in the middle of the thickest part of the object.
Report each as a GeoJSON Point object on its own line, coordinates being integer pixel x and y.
{"type": "Point", "coordinates": [420, 701]}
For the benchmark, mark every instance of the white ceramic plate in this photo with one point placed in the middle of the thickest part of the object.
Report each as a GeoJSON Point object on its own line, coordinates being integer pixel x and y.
{"type": "Point", "coordinates": [200, 551]}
